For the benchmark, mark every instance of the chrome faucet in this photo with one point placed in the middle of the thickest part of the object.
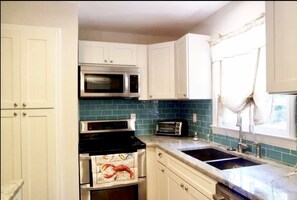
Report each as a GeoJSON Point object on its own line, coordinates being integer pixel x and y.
{"type": "Point", "coordinates": [241, 147]}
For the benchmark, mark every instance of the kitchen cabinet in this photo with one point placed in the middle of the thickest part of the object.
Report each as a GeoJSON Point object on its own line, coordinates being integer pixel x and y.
{"type": "Point", "coordinates": [182, 181]}
{"type": "Point", "coordinates": [29, 61]}
{"type": "Point", "coordinates": [151, 169]}
{"type": "Point", "coordinates": [193, 67]}
{"type": "Point", "coordinates": [10, 146]}
{"type": "Point", "coordinates": [28, 151]}
{"type": "Point", "coordinates": [91, 52]}
{"type": "Point", "coordinates": [281, 44]}
{"type": "Point", "coordinates": [28, 64]}
{"type": "Point", "coordinates": [161, 81]}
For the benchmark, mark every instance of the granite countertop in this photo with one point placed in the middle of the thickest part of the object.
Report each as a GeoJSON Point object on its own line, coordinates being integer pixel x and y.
{"type": "Point", "coordinates": [269, 181]}
{"type": "Point", "coordinates": [10, 189]}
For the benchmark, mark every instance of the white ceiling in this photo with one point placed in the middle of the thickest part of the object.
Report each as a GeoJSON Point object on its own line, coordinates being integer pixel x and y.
{"type": "Point", "coordinates": [170, 18]}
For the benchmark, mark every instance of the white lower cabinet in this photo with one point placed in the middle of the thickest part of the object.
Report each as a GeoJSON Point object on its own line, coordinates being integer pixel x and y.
{"type": "Point", "coordinates": [176, 180]}
{"type": "Point", "coordinates": [28, 137]}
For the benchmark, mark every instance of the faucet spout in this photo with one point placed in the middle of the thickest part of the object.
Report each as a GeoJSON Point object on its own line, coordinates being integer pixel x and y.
{"type": "Point", "coordinates": [241, 147]}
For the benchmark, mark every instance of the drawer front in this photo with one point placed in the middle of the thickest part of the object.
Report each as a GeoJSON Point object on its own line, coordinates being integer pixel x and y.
{"type": "Point", "coordinates": [201, 182]}
{"type": "Point", "coordinates": [161, 156]}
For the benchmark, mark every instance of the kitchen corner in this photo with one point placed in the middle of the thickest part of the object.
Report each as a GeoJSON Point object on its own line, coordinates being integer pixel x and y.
{"type": "Point", "coordinates": [12, 190]}
{"type": "Point", "coordinates": [270, 180]}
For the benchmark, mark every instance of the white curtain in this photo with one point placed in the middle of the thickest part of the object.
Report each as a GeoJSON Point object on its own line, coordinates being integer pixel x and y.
{"type": "Point", "coordinates": [240, 57]}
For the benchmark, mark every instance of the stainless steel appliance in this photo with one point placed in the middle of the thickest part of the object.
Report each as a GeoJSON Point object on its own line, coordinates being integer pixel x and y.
{"type": "Point", "coordinates": [111, 138]}
{"type": "Point", "coordinates": [108, 81]}
{"type": "Point", "coordinates": [225, 193]}
{"type": "Point", "coordinates": [177, 127]}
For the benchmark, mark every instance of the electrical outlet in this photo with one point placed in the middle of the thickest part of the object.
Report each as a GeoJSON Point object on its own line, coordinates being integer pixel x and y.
{"type": "Point", "coordinates": [133, 116]}
{"type": "Point", "coordinates": [194, 117]}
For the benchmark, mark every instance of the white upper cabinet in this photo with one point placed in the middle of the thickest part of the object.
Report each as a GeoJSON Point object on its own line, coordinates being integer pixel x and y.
{"type": "Point", "coordinates": [161, 71]}
{"type": "Point", "coordinates": [91, 52]}
{"type": "Point", "coordinates": [281, 34]}
{"type": "Point", "coordinates": [28, 65]}
{"type": "Point", "coordinates": [193, 67]}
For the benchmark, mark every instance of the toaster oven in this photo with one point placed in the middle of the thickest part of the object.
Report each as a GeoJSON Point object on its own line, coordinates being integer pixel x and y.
{"type": "Point", "coordinates": [172, 127]}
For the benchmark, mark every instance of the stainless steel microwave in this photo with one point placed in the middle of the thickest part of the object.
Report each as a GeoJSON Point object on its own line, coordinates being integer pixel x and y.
{"type": "Point", "coordinates": [108, 81]}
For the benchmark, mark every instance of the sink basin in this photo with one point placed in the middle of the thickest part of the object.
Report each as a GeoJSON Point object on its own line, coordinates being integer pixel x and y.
{"type": "Point", "coordinates": [232, 163]}
{"type": "Point", "coordinates": [208, 154]}
{"type": "Point", "coordinates": [219, 159]}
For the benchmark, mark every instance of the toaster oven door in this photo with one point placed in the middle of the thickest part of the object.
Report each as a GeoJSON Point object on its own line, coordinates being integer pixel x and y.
{"type": "Point", "coordinates": [168, 128]}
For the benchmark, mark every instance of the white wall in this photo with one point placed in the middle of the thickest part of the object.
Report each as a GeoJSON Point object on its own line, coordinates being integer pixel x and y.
{"type": "Point", "coordinates": [106, 36]}
{"type": "Point", "coordinates": [63, 15]}
{"type": "Point", "coordinates": [232, 16]}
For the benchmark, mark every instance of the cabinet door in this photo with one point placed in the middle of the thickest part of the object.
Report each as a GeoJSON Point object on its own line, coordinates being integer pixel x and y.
{"type": "Point", "coordinates": [151, 173]}
{"type": "Point", "coordinates": [10, 69]}
{"type": "Point", "coordinates": [39, 166]}
{"type": "Point", "coordinates": [10, 145]}
{"type": "Point", "coordinates": [122, 54]}
{"type": "Point", "coordinates": [162, 184]}
{"type": "Point", "coordinates": [38, 68]}
{"type": "Point", "coordinates": [176, 187]}
{"type": "Point", "coordinates": [93, 52]}
{"type": "Point", "coordinates": [281, 44]}
{"type": "Point", "coordinates": [181, 68]}
{"type": "Point", "coordinates": [161, 71]}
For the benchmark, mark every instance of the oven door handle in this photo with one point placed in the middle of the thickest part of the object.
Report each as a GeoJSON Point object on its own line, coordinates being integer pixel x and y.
{"type": "Point", "coordinates": [87, 187]}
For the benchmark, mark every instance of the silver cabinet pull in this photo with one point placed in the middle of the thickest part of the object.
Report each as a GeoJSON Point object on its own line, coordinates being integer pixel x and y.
{"type": "Point", "coordinates": [24, 114]}
{"type": "Point", "coordinates": [24, 105]}
{"type": "Point", "coordinates": [15, 105]}
{"type": "Point", "coordinates": [15, 114]}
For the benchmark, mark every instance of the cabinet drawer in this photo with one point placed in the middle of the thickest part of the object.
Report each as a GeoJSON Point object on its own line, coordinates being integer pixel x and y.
{"type": "Point", "coordinates": [161, 156]}
{"type": "Point", "coordinates": [201, 182]}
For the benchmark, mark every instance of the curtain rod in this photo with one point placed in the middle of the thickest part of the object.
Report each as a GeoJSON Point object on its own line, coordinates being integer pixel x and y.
{"type": "Point", "coordinates": [256, 22]}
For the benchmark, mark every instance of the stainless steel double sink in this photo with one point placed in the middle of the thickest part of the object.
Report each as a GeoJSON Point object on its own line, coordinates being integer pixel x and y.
{"type": "Point", "coordinates": [220, 159]}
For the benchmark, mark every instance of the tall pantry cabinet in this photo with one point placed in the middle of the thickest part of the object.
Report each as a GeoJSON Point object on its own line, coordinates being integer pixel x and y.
{"type": "Point", "coordinates": [29, 61]}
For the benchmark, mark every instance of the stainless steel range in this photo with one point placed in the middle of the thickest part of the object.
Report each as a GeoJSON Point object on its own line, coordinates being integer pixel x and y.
{"type": "Point", "coordinates": [112, 161]}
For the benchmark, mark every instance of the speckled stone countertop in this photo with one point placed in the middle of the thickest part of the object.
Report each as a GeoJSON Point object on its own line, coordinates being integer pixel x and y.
{"type": "Point", "coordinates": [10, 189]}
{"type": "Point", "coordinates": [269, 181]}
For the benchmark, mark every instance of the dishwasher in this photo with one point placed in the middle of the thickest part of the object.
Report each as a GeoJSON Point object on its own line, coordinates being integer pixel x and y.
{"type": "Point", "coordinates": [225, 193]}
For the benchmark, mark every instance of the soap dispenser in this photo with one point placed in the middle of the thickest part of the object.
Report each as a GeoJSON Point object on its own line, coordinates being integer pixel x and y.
{"type": "Point", "coordinates": [195, 136]}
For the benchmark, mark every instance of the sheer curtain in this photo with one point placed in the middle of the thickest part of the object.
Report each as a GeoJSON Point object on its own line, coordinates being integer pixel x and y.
{"type": "Point", "coordinates": [238, 59]}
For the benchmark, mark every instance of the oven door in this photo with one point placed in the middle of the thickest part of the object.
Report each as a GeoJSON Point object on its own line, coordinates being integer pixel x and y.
{"type": "Point", "coordinates": [135, 190]}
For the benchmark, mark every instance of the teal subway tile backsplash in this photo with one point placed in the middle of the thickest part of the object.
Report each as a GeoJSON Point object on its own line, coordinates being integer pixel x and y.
{"type": "Point", "coordinates": [148, 112]}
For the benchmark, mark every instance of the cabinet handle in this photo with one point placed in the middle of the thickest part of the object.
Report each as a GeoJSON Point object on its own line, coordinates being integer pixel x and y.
{"type": "Point", "coordinates": [160, 155]}
{"type": "Point", "coordinates": [24, 114]}
{"type": "Point", "coordinates": [182, 185]}
{"type": "Point", "coordinates": [185, 95]}
{"type": "Point", "coordinates": [105, 60]}
{"type": "Point", "coordinates": [186, 188]}
{"type": "Point", "coordinates": [15, 105]}
{"type": "Point", "coordinates": [151, 96]}
{"type": "Point", "coordinates": [163, 170]}
{"type": "Point", "coordinates": [111, 61]}
{"type": "Point", "coordinates": [15, 114]}
{"type": "Point", "coordinates": [24, 105]}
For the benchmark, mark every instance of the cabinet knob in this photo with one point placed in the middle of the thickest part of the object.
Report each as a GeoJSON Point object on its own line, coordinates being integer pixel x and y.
{"type": "Point", "coordinates": [15, 105]}
{"type": "Point", "coordinates": [24, 105]}
{"type": "Point", "coordinates": [111, 61]}
{"type": "Point", "coordinates": [160, 155]}
{"type": "Point", "coordinates": [151, 96]}
{"type": "Point", "coordinates": [24, 114]}
{"type": "Point", "coordinates": [105, 60]}
{"type": "Point", "coordinates": [182, 185]}
{"type": "Point", "coordinates": [186, 188]}
{"type": "Point", "coordinates": [185, 95]}
{"type": "Point", "coordinates": [162, 170]}
{"type": "Point", "coordinates": [15, 114]}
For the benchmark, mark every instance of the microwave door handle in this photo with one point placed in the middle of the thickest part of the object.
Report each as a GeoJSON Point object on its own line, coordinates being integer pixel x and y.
{"type": "Point", "coordinates": [127, 83]}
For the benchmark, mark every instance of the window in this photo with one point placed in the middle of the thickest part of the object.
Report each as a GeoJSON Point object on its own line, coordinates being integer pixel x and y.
{"type": "Point", "coordinates": [239, 86]}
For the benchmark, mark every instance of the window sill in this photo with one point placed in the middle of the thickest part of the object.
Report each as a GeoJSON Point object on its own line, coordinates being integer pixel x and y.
{"type": "Point", "coordinates": [288, 143]}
